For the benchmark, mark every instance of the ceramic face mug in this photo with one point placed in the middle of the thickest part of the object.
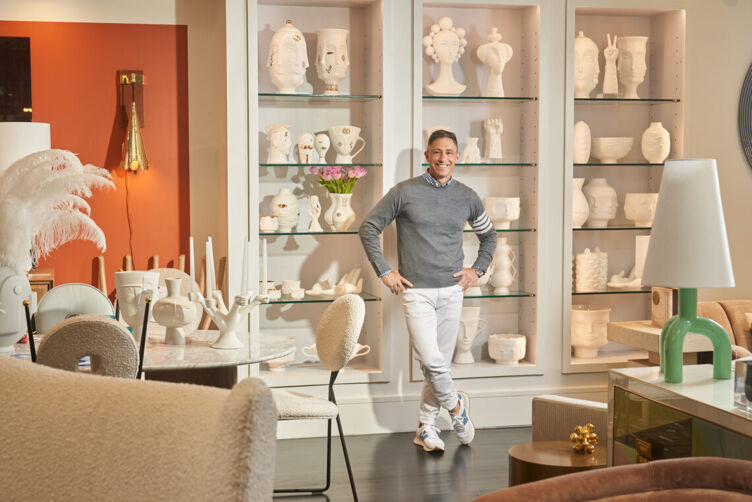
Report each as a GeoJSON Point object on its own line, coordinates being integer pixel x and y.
{"type": "Point", "coordinates": [344, 138]}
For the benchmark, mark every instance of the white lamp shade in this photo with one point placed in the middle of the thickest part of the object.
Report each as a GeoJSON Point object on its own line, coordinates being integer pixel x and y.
{"type": "Point", "coordinates": [688, 244]}
{"type": "Point", "coordinates": [19, 139]}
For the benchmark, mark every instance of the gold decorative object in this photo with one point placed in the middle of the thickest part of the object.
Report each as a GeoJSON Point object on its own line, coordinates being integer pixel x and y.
{"type": "Point", "coordinates": [584, 439]}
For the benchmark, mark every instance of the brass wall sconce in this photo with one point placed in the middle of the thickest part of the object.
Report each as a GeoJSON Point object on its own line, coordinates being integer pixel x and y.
{"type": "Point", "coordinates": [134, 153]}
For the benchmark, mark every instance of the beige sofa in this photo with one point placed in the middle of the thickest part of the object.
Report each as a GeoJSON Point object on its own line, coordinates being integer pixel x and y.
{"type": "Point", "coordinates": [68, 436]}
{"type": "Point", "coordinates": [731, 315]}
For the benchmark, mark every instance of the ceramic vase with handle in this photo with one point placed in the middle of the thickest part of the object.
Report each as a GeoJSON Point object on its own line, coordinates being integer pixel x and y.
{"type": "Point", "coordinates": [344, 138]}
{"type": "Point", "coordinates": [174, 312]}
{"type": "Point", "coordinates": [504, 271]}
{"type": "Point", "coordinates": [286, 209]}
{"type": "Point", "coordinates": [656, 143]}
{"type": "Point", "coordinates": [580, 208]}
{"type": "Point", "coordinates": [340, 215]}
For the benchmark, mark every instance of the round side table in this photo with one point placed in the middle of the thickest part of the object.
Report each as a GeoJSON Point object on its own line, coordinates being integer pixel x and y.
{"type": "Point", "coordinates": [546, 459]}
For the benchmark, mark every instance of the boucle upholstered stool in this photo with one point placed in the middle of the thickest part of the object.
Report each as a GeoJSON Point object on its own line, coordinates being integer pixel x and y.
{"type": "Point", "coordinates": [110, 346]}
{"type": "Point", "coordinates": [336, 336]}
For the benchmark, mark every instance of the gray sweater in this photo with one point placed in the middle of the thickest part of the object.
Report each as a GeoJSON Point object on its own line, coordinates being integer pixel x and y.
{"type": "Point", "coordinates": [430, 221]}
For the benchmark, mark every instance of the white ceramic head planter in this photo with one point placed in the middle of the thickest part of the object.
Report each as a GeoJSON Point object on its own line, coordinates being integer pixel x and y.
{"type": "Point", "coordinates": [502, 210]}
{"type": "Point", "coordinates": [495, 54]}
{"type": "Point", "coordinates": [470, 322]}
{"type": "Point", "coordinates": [507, 349]}
{"type": "Point", "coordinates": [331, 58]}
{"type": "Point", "coordinates": [602, 202]}
{"type": "Point", "coordinates": [640, 208]}
{"type": "Point", "coordinates": [322, 144]}
{"type": "Point", "coordinates": [589, 329]}
{"type": "Point", "coordinates": [280, 143]}
{"type": "Point", "coordinates": [288, 58]}
{"type": "Point", "coordinates": [305, 148]}
{"type": "Point", "coordinates": [631, 66]}
{"type": "Point", "coordinates": [445, 45]}
{"type": "Point", "coordinates": [586, 67]}
{"type": "Point", "coordinates": [132, 288]}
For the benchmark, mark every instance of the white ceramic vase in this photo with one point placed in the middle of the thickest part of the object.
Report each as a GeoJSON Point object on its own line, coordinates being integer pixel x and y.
{"type": "Point", "coordinates": [132, 288]}
{"type": "Point", "coordinates": [502, 210]}
{"type": "Point", "coordinates": [332, 60]}
{"type": "Point", "coordinates": [14, 289]}
{"type": "Point", "coordinates": [471, 155]}
{"type": "Point", "coordinates": [631, 66]}
{"type": "Point", "coordinates": [504, 271]}
{"type": "Point", "coordinates": [470, 323]}
{"type": "Point", "coordinates": [580, 208]}
{"type": "Point", "coordinates": [344, 138]}
{"type": "Point", "coordinates": [495, 54]}
{"type": "Point", "coordinates": [286, 209]}
{"type": "Point", "coordinates": [445, 44]}
{"type": "Point", "coordinates": [507, 349]}
{"type": "Point", "coordinates": [582, 140]}
{"type": "Point", "coordinates": [288, 59]}
{"type": "Point", "coordinates": [640, 208]}
{"type": "Point", "coordinates": [588, 330]}
{"type": "Point", "coordinates": [174, 312]}
{"type": "Point", "coordinates": [602, 202]}
{"type": "Point", "coordinates": [656, 143]}
{"type": "Point", "coordinates": [314, 211]}
{"type": "Point", "coordinates": [340, 215]}
{"type": "Point", "coordinates": [322, 144]}
{"type": "Point", "coordinates": [602, 268]}
{"type": "Point", "coordinates": [586, 67]}
{"type": "Point", "coordinates": [280, 143]}
{"type": "Point", "coordinates": [589, 269]}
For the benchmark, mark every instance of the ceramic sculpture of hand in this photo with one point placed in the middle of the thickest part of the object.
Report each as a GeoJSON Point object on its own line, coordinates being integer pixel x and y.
{"type": "Point", "coordinates": [611, 52]}
{"type": "Point", "coordinates": [494, 126]}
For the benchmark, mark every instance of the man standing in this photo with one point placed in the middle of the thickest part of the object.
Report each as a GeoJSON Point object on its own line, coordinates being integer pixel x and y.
{"type": "Point", "coordinates": [431, 211]}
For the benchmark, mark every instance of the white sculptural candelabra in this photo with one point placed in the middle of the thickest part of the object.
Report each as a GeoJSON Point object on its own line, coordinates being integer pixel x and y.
{"type": "Point", "coordinates": [445, 44]}
{"type": "Point", "coordinates": [228, 320]}
{"type": "Point", "coordinates": [492, 129]}
{"type": "Point", "coordinates": [495, 54]}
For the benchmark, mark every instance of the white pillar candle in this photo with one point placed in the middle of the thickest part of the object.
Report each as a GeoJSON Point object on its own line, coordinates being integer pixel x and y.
{"type": "Point", "coordinates": [209, 268]}
{"type": "Point", "coordinates": [263, 267]}
{"type": "Point", "coordinates": [191, 263]}
{"type": "Point", "coordinates": [244, 278]}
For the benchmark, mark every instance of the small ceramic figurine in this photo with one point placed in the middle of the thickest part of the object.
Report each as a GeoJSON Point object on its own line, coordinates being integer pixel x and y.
{"type": "Point", "coordinates": [495, 54]}
{"type": "Point", "coordinates": [445, 44]}
{"type": "Point", "coordinates": [321, 144]}
{"type": "Point", "coordinates": [471, 154]}
{"type": "Point", "coordinates": [280, 143]}
{"type": "Point", "coordinates": [305, 148]}
{"type": "Point", "coordinates": [331, 58]}
{"type": "Point", "coordinates": [288, 58]}
{"type": "Point", "coordinates": [314, 210]}
{"type": "Point", "coordinates": [586, 67]}
{"type": "Point", "coordinates": [492, 129]}
{"type": "Point", "coordinates": [610, 53]}
{"type": "Point", "coordinates": [631, 65]}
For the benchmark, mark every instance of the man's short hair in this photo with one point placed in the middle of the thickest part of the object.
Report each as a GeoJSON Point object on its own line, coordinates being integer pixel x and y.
{"type": "Point", "coordinates": [441, 133]}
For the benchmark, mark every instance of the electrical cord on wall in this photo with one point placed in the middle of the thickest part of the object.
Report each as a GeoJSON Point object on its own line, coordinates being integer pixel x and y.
{"type": "Point", "coordinates": [128, 215]}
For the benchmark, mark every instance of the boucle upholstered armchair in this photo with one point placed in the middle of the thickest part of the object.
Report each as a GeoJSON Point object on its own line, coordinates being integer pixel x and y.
{"type": "Point", "coordinates": [71, 436]}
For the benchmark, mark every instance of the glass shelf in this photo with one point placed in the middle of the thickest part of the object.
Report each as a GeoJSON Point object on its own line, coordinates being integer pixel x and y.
{"type": "Point", "coordinates": [488, 293]}
{"type": "Point", "coordinates": [655, 101]}
{"type": "Point", "coordinates": [624, 227]}
{"type": "Point", "coordinates": [494, 164]}
{"type": "Point", "coordinates": [272, 234]}
{"type": "Point", "coordinates": [361, 164]}
{"type": "Point", "coordinates": [615, 291]}
{"type": "Point", "coordinates": [510, 99]}
{"type": "Point", "coordinates": [619, 164]}
{"type": "Point", "coordinates": [368, 297]}
{"type": "Point", "coordinates": [505, 230]}
{"type": "Point", "coordinates": [270, 97]}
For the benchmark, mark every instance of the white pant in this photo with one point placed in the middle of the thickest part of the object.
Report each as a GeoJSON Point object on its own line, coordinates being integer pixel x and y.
{"type": "Point", "coordinates": [433, 319]}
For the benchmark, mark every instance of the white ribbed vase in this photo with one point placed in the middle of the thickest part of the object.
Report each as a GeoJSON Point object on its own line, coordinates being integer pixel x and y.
{"type": "Point", "coordinates": [656, 143]}
{"type": "Point", "coordinates": [580, 208]}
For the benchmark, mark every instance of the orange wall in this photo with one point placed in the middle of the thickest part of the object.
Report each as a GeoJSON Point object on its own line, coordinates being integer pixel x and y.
{"type": "Point", "coordinates": [74, 88]}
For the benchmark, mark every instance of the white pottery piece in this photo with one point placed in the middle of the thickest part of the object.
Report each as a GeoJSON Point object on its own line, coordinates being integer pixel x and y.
{"type": "Point", "coordinates": [602, 202]}
{"type": "Point", "coordinates": [445, 45]}
{"type": "Point", "coordinates": [582, 141]}
{"type": "Point", "coordinates": [471, 155]}
{"type": "Point", "coordinates": [640, 208]}
{"type": "Point", "coordinates": [428, 132]}
{"type": "Point", "coordinates": [610, 149]}
{"type": "Point", "coordinates": [332, 60]}
{"type": "Point", "coordinates": [340, 215]}
{"type": "Point", "coordinates": [132, 288]}
{"type": "Point", "coordinates": [580, 208]}
{"type": "Point", "coordinates": [288, 58]}
{"type": "Point", "coordinates": [280, 364]}
{"type": "Point", "coordinates": [602, 268]}
{"type": "Point", "coordinates": [268, 224]}
{"type": "Point", "coordinates": [492, 130]}
{"type": "Point", "coordinates": [314, 211]}
{"type": "Point", "coordinates": [495, 54]}
{"type": "Point", "coordinates": [174, 312]}
{"type": "Point", "coordinates": [586, 67]}
{"type": "Point", "coordinates": [656, 143]}
{"type": "Point", "coordinates": [321, 144]}
{"type": "Point", "coordinates": [631, 65]}
{"type": "Point", "coordinates": [288, 285]}
{"type": "Point", "coordinates": [344, 138]}
{"type": "Point", "coordinates": [280, 143]}
{"type": "Point", "coordinates": [589, 329]}
{"type": "Point", "coordinates": [297, 293]}
{"type": "Point", "coordinates": [588, 267]}
{"type": "Point", "coordinates": [305, 148]}
{"type": "Point", "coordinates": [504, 271]}
{"type": "Point", "coordinates": [507, 349]}
{"type": "Point", "coordinates": [502, 210]}
{"type": "Point", "coordinates": [468, 330]}
{"type": "Point", "coordinates": [14, 289]}
{"type": "Point", "coordinates": [286, 208]}
{"type": "Point", "coordinates": [610, 53]}
{"type": "Point", "coordinates": [641, 252]}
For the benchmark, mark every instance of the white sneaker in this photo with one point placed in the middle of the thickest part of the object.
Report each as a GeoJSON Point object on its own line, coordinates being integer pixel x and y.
{"type": "Point", "coordinates": [461, 422]}
{"type": "Point", "coordinates": [427, 436]}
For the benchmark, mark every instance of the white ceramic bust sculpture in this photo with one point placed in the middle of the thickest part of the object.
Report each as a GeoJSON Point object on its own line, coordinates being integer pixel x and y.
{"type": "Point", "coordinates": [469, 325]}
{"type": "Point", "coordinates": [288, 58]}
{"type": "Point", "coordinates": [332, 61]}
{"type": "Point", "coordinates": [445, 44]}
{"type": "Point", "coordinates": [602, 202]}
{"type": "Point", "coordinates": [314, 211]}
{"type": "Point", "coordinates": [492, 130]}
{"type": "Point", "coordinates": [586, 67]}
{"type": "Point", "coordinates": [305, 148]}
{"type": "Point", "coordinates": [631, 65]}
{"type": "Point", "coordinates": [280, 143]}
{"type": "Point", "coordinates": [322, 144]}
{"type": "Point", "coordinates": [589, 329]}
{"type": "Point", "coordinates": [610, 53]}
{"type": "Point", "coordinates": [495, 54]}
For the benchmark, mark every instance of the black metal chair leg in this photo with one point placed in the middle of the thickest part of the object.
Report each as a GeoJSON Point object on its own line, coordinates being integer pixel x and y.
{"type": "Point", "coordinates": [314, 491]}
{"type": "Point", "coordinates": [347, 459]}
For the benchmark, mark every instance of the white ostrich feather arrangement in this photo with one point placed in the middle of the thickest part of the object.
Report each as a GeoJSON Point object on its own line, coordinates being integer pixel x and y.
{"type": "Point", "coordinates": [42, 206]}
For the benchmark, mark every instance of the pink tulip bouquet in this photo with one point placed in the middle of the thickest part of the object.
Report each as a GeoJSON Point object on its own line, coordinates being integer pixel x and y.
{"type": "Point", "coordinates": [338, 179]}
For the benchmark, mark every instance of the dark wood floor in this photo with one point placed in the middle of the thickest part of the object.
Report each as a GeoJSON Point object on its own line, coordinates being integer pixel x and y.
{"type": "Point", "coordinates": [388, 467]}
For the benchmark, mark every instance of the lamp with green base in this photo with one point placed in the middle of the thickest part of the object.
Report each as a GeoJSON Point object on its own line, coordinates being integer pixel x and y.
{"type": "Point", "coordinates": [689, 250]}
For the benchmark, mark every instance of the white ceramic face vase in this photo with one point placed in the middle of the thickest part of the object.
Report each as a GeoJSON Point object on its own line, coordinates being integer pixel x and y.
{"type": "Point", "coordinates": [602, 202]}
{"type": "Point", "coordinates": [589, 329]}
{"type": "Point", "coordinates": [586, 67]}
{"type": "Point", "coordinates": [322, 144]}
{"type": "Point", "coordinates": [469, 323]}
{"type": "Point", "coordinates": [344, 139]}
{"type": "Point", "coordinates": [131, 288]}
{"type": "Point", "coordinates": [640, 208]}
{"type": "Point", "coordinates": [445, 45]}
{"type": "Point", "coordinates": [496, 55]}
{"type": "Point", "coordinates": [305, 148]}
{"type": "Point", "coordinates": [631, 66]}
{"type": "Point", "coordinates": [331, 58]}
{"type": "Point", "coordinates": [288, 58]}
{"type": "Point", "coordinates": [507, 349]}
{"type": "Point", "coordinates": [502, 210]}
{"type": "Point", "coordinates": [280, 143]}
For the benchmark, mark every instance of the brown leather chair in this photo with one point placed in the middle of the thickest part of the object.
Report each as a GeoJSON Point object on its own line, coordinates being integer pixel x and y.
{"type": "Point", "coordinates": [697, 479]}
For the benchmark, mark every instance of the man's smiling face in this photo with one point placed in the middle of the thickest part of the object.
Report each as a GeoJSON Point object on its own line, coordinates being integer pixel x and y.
{"type": "Point", "coordinates": [441, 156]}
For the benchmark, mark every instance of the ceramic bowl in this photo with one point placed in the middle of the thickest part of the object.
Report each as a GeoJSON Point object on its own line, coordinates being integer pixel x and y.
{"type": "Point", "coordinates": [640, 208]}
{"type": "Point", "coordinates": [610, 150]}
{"type": "Point", "coordinates": [507, 349]}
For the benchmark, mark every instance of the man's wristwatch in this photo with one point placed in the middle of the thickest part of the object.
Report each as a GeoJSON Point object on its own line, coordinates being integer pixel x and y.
{"type": "Point", "coordinates": [479, 271]}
